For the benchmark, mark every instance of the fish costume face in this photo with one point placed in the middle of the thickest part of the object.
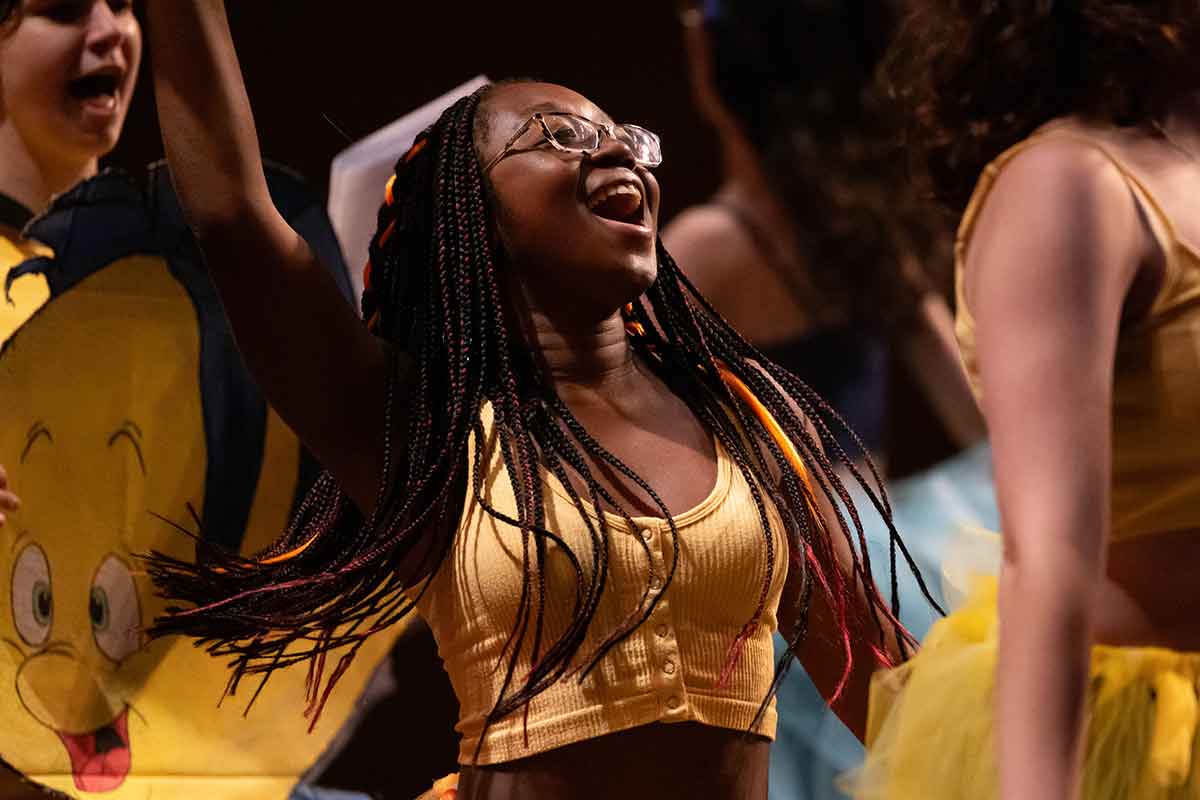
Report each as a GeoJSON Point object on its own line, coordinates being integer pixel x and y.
{"type": "Point", "coordinates": [129, 425]}
{"type": "Point", "coordinates": [102, 469]}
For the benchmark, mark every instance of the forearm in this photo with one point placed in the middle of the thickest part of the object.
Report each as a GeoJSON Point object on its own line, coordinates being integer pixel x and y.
{"type": "Point", "coordinates": [1041, 678]}
{"type": "Point", "coordinates": [851, 706]}
{"type": "Point", "coordinates": [307, 350]}
{"type": "Point", "coordinates": [207, 125]}
{"type": "Point", "coordinates": [305, 346]}
{"type": "Point", "coordinates": [824, 654]}
{"type": "Point", "coordinates": [829, 632]}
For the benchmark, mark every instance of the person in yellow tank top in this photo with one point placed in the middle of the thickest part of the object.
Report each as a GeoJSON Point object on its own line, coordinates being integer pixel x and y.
{"type": "Point", "coordinates": [1067, 134]}
{"type": "Point", "coordinates": [125, 416]}
{"type": "Point", "coordinates": [599, 496]}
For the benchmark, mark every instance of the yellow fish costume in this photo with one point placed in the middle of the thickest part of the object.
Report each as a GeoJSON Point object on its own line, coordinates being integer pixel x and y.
{"type": "Point", "coordinates": [128, 419]}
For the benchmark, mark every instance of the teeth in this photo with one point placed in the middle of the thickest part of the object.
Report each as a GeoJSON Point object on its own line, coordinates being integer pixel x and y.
{"type": "Point", "coordinates": [600, 195]}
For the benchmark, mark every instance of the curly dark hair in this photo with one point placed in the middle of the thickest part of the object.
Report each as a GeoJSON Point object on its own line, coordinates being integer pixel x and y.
{"type": "Point", "coordinates": [975, 77]}
{"type": "Point", "coordinates": [799, 77]}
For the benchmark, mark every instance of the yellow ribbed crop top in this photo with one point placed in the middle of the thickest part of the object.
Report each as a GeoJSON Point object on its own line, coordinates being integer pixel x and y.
{"type": "Point", "coordinates": [1156, 384]}
{"type": "Point", "coordinates": [666, 671]}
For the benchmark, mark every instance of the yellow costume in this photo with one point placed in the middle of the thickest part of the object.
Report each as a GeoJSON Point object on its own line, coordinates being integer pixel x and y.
{"type": "Point", "coordinates": [112, 430]}
{"type": "Point", "coordinates": [930, 729]}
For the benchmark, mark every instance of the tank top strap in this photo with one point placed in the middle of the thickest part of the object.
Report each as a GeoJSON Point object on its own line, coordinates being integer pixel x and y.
{"type": "Point", "coordinates": [1159, 222]}
{"type": "Point", "coordinates": [1161, 226]}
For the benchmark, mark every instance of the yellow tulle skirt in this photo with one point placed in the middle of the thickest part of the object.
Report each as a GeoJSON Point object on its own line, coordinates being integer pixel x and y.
{"type": "Point", "coordinates": [929, 733]}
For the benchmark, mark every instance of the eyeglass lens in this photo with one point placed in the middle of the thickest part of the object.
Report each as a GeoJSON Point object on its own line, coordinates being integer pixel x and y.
{"type": "Point", "coordinates": [575, 133]}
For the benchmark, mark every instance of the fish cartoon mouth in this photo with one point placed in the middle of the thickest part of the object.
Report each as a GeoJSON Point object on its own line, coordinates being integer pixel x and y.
{"type": "Point", "coordinates": [100, 760]}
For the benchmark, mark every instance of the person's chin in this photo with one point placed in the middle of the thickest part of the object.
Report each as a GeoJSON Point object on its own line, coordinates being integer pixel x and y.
{"type": "Point", "coordinates": [106, 139]}
{"type": "Point", "coordinates": [97, 137]}
{"type": "Point", "coordinates": [634, 277]}
{"type": "Point", "coordinates": [644, 275]}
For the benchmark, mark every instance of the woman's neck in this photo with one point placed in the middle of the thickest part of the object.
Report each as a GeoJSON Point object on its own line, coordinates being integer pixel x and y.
{"type": "Point", "coordinates": [33, 179]}
{"type": "Point", "coordinates": [588, 356]}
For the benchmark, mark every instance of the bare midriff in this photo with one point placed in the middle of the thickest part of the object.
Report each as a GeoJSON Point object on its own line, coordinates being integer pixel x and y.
{"type": "Point", "coordinates": [663, 761]}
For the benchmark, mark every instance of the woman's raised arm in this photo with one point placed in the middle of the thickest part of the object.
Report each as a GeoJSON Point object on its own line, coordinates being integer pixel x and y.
{"type": "Point", "coordinates": [313, 358]}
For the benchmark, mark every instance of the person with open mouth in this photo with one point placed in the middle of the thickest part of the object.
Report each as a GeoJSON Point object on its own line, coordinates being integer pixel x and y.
{"type": "Point", "coordinates": [67, 74]}
{"type": "Point", "coordinates": [602, 500]}
{"type": "Point", "coordinates": [97, 325]}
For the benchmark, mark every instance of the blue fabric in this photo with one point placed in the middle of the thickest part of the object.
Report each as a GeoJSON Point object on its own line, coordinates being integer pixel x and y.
{"type": "Point", "coordinates": [812, 746]}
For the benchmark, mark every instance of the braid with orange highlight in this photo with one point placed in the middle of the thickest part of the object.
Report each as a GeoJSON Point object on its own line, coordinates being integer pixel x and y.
{"type": "Point", "coordinates": [434, 292]}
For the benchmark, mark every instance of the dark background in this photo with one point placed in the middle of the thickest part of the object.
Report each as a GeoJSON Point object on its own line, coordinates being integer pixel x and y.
{"type": "Point", "coordinates": [363, 64]}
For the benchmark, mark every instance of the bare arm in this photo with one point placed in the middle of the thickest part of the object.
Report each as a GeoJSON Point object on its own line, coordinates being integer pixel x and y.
{"type": "Point", "coordinates": [1053, 256]}
{"type": "Point", "coordinates": [313, 358]}
{"type": "Point", "coordinates": [931, 354]}
{"type": "Point", "coordinates": [823, 653]}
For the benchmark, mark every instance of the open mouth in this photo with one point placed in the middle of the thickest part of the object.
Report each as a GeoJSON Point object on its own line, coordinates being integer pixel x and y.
{"type": "Point", "coordinates": [619, 202]}
{"type": "Point", "coordinates": [99, 89]}
{"type": "Point", "coordinates": [100, 760]}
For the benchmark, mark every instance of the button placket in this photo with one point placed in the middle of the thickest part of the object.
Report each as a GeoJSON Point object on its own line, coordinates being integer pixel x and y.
{"type": "Point", "coordinates": [667, 677]}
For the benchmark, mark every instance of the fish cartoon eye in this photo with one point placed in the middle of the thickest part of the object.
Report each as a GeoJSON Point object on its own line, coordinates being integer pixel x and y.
{"type": "Point", "coordinates": [114, 610]}
{"type": "Point", "coordinates": [32, 599]}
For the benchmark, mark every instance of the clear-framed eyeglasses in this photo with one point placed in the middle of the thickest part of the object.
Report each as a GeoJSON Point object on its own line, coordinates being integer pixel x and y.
{"type": "Point", "coordinates": [571, 133]}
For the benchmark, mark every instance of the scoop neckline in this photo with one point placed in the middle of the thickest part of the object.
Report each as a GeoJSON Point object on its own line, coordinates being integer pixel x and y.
{"type": "Point", "coordinates": [716, 495]}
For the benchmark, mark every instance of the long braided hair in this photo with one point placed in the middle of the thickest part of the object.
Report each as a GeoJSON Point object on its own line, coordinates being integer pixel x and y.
{"type": "Point", "coordinates": [434, 291]}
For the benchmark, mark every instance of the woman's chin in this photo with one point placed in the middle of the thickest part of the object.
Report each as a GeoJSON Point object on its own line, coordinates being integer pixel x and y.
{"type": "Point", "coordinates": [632, 284]}
{"type": "Point", "coordinates": [94, 136]}
{"type": "Point", "coordinates": [640, 270]}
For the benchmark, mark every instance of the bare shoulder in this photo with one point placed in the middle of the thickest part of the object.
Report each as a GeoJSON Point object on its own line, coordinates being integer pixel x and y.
{"type": "Point", "coordinates": [709, 245]}
{"type": "Point", "coordinates": [1061, 203]}
{"type": "Point", "coordinates": [1061, 174]}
